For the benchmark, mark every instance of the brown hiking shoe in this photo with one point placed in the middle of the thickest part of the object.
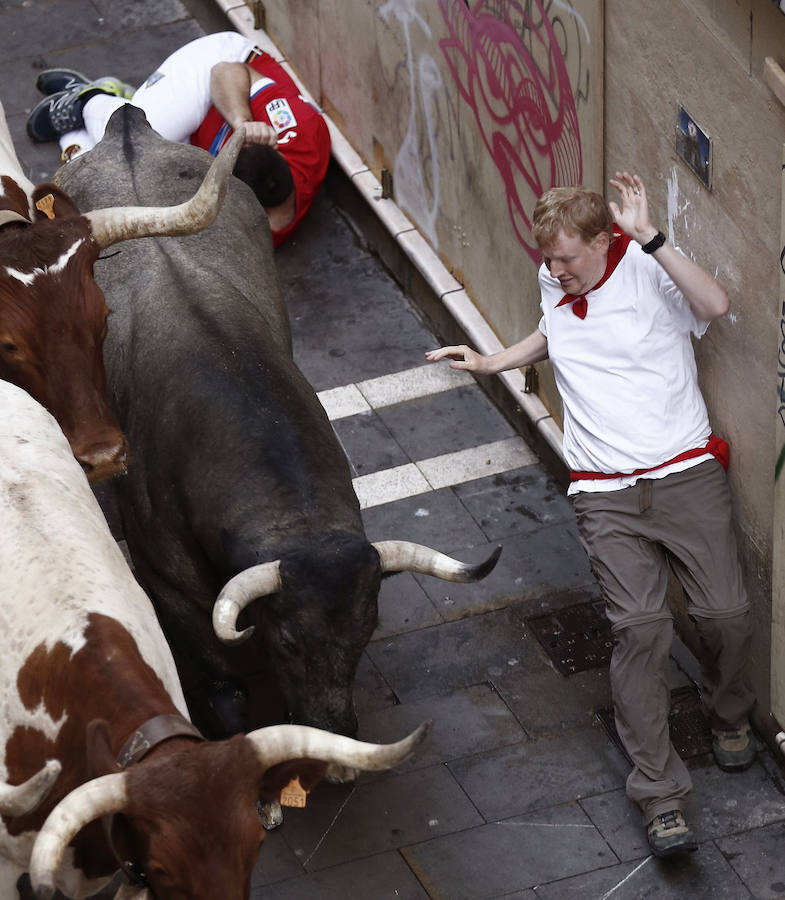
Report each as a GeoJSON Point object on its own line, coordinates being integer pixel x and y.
{"type": "Point", "coordinates": [669, 833]}
{"type": "Point", "coordinates": [733, 748]}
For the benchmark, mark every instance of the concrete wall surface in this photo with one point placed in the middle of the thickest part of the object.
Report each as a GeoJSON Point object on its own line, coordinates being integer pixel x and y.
{"type": "Point", "coordinates": [477, 106]}
{"type": "Point", "coordinates": [475, 109]}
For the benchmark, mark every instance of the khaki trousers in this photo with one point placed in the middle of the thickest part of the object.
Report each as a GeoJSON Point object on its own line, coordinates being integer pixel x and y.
{"type": "Point", "coordinates": [633, 537]}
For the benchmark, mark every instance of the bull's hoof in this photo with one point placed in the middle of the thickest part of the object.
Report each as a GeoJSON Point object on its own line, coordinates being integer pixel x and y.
{"type": "Point", "coordinates": [229, 702]}
{"type": "Point", "coordinates": [270, 813]}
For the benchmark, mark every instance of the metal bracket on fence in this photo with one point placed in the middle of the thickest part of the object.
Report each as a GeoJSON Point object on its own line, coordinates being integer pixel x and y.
{"type": "Point", "coordinates": [387, 184]}
{"type": "Point", "coordinates": [259, 14]}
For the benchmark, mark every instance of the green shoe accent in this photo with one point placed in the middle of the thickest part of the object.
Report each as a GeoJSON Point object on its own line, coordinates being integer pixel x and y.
{"type": "Point", "coordinates": [62, 112]}
{"type": "Point", "coordinates": [107, 84]}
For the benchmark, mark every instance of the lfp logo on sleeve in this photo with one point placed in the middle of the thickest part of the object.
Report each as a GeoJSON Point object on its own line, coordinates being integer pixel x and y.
{"type": "Point", "coordinates": [280, 114]}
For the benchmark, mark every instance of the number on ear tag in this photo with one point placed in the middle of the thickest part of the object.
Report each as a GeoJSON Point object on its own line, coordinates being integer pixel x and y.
{"type": "Point", "coordinates": [294, 794]}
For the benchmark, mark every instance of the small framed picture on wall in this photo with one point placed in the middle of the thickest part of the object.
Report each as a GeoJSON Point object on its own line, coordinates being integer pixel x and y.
{"type": "Point", "coordinates": [694, 146]}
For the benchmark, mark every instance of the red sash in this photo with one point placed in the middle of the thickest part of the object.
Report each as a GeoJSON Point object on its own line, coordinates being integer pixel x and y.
{"type": "Point", "coordinates": [716, 446]}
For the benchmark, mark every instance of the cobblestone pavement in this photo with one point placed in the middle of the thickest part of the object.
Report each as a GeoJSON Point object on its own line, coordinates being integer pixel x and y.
{"type": "Point", "coordinates": [519, 791]}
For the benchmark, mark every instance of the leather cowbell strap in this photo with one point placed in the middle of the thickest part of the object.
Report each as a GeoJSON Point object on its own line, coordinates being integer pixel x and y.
{"type": "Point", "coordinates": [152, 733]}
{"type": "Point", "coordinates": [147, 736]}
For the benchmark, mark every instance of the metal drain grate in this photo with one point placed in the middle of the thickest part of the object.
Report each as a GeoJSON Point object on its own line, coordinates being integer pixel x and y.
{"type": "Point", "coordinates": [689, 725]}
{"type": "Point", "coordinates": [576, 638]}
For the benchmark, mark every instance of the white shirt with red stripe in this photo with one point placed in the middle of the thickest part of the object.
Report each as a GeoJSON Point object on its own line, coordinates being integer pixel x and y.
{"type": "Point", "coordinates": [626, 374]}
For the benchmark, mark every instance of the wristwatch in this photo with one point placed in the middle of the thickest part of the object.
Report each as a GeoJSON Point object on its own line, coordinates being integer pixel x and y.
{"type": "Point", "coordinates": [654, 244]}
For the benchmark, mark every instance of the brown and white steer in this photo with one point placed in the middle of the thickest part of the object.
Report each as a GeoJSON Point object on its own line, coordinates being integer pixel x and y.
{"type": "Point", "coordinates": [92, 717]}
{"type": "Point", "coordinates": [53, 315]}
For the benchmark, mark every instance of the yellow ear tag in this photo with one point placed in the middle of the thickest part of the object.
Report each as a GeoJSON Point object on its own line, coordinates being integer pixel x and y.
{"type": "Point", "coordinates": [294, 794]}
{"type": "Point", "coordinates": [46, 205]}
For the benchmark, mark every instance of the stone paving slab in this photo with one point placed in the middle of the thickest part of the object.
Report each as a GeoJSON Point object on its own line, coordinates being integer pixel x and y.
{"type": "Point", "coordinates": [404, 606]}
{"type": "Point", "coordinates": [504, 856]}
{"type": "Point", "coordinates": [515, 502]}
{"type": "Point", "coordinates": [704, 875]}
{"type": "Point", "coordinates": [124, 55]}
{"type": "Point", "coordinates": [456, 655]}
{"type": "Point", "coordinates": [119, 17]}
{"type": "Point", "coordinates": [540, 773]}
{"type": "Point", "coordinates": [463, 723]}
{"type": "Point", "coordinates": [481, 461]}
{"type": "Point", "coordinates": [371, 691]}
{"type": "Point", "coordinates": [757, 858]}
{"type": "Point", "coordinates": [381, 876]}
{"type": "Point", "coordinates": [437, 519]}
{"type": "Point", "coordinates": [375, 815]}
{"type": "Point", "coordinates": [368, 443]}
{"type": "Point", "coordinates": [548, 561]}
{"type": "Point", "coordinates": [340, 248]}
{"type": "Point", "coordinates": [446, 422]}
{"type": "Point", "coordinates": [353, 325]}
{"type": "Point", "coordinates": [724, 802]}
{"type": "Point", "coordinates": [277, 860]}
{"type": "Point", "coordinates": [549, 704]}
{"type": "Point", "coordinates": [518, 895]}
{"type": "Point", "coordinates": [62, 24]}
{"type": "Point", "coordinates": [423, 381]}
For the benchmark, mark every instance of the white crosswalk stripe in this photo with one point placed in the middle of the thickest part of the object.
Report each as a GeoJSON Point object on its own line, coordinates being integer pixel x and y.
{"type": "Point", "coordinates": [386, 390]}
{"type": "Point", "coordinates": [425, 475]}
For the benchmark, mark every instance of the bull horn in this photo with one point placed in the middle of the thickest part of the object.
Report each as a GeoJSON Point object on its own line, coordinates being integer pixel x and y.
{"type": "Point", "coordinates": [280, 743]}
{"type": "Point", "coordinates": [404, 556]}
{"type": "Point", "coordinates": [19, 799]}
{"type": "Point", "coordinates": [101, 796]}
{"type": "Point", "coordinates": [239, 592]}
{"type": "Point", "coordinates": [121, 223]}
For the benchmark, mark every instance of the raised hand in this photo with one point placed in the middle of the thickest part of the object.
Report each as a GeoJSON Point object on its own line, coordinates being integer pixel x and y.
{"type": "Point", "coordinates": [633, 216]}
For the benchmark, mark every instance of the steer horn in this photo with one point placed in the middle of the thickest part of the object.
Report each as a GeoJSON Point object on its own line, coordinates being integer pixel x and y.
{"type": "Point", "coordinates": [239, 592]}
{"type": "Point", "coordinates": [101, 796]}
{"type": "Point", "coordinates": [120, 223]}
{"type": "Point", "coordinates": [19, 799]}
{"type": "Point", "coordinates": [404, 556]}
{"type": "Point", "coordinates": [280, 743]}
{"type": "Point", "coordinates": [395, 556]}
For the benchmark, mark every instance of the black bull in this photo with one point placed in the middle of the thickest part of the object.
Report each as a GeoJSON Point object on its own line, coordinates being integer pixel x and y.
{"type": "Point", "coordinates": [233, 460]}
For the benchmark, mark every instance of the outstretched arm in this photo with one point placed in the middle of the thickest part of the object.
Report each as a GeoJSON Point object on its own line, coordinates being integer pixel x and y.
{"type": "Point", "coordinates": [706, 296]}
{"type": "Point", "coordinates": [532, 349]}
{"type": "Point", "coordinates": [230, 90]}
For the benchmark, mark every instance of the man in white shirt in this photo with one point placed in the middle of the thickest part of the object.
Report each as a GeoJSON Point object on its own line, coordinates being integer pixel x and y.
{"type": "Point", "coordinates": [619, 306]}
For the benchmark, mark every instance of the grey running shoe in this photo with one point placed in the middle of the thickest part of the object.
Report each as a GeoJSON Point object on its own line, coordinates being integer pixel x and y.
{"type": "Point", "coordinates": [61, 112]}
{"type": "Point", "coordinates": [669, 833]}
{"type": "Point", "coordinates": [52, 81]}
{"type": "Point", "coordinates": [733, 748]}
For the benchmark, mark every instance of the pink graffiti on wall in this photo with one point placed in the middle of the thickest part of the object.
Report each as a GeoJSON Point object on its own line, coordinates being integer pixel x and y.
{"type": "Point", "coordinates": [521, 97]}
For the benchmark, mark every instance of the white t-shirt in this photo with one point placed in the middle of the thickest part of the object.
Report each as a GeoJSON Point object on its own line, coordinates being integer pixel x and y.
{"type": "Point", "coordinates": [626, 373]}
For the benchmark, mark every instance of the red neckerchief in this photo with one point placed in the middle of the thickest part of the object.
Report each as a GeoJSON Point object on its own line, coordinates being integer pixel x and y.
{"type": "Point", "coordinates": [616, 250]}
